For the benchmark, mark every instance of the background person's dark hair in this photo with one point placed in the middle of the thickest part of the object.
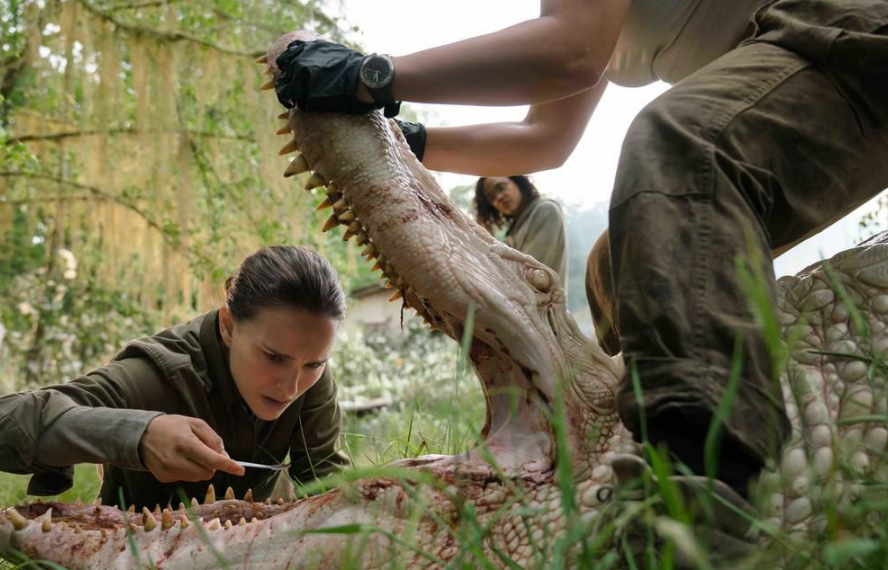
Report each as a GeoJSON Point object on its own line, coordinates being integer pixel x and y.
{"type": "Point", "coordinates": [487, 215]}
{"type": "Point", "coordinates": [284, 275]}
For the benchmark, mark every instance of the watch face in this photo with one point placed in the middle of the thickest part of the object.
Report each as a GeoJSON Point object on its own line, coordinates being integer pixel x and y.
{"type": "Point", "coordinates": [376, 72]}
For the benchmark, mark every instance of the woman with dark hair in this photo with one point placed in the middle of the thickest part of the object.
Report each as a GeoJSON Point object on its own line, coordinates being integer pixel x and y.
{"type": "Point", "coordinates": [536, 223]}
{"type": "Point", "coordinates": [248, 381]}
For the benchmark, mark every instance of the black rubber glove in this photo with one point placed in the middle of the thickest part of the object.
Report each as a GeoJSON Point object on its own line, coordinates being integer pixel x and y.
{"type": "Point", "coordinates": [323, 76]}
{"type": "Point", "coordinates": [415, 133]}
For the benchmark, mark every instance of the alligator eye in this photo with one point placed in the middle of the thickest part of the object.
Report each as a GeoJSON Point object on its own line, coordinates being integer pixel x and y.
{"type": "Point", "coordinates": [539, 279]}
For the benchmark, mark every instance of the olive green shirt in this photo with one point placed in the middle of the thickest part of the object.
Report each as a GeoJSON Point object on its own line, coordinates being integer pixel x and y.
{"type": "Point", "coordinates": [100, 418]}
{"type": "Point", "coordinates": [539, 232]}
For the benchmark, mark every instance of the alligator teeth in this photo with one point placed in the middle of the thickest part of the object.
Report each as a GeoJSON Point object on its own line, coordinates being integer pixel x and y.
{"type": "Point", "coordinates": [316, 181]}
{"type": "Point", "coordinates": [347, 216]}
{"type": "Point", "coordinates": [228, 524]}
{"type": "Point", "coordinates": [291, 147]}
{"type": "Point", "coordinates": [267, 71]}
{"type": "Point", "coordinates": [331, 223]}
{"type": "Point", "coordinates": [340, 205]}
{"type": "Point", "coordinates": [166, 519]}
{"type": "Point", "coordinates": [368, 251]}
{"type": "Point", "coordinates": [18, 521]}
{"type": "Point", "coordinates": [362, 239]}
{"type": "Point", "coordinates": [98, 502]}
{"type": "Point", "coordinates": [148, 520]}
{"type": "Point", "coordinates": [215, 524]}
{"type": "Point", "coordinates": [254, 520]}
{"type": "Point", "coordinates": [267, 85]}
{"type": "Point", "coordinates": [281, 502]}
{"type": "Point", "coordinates": [284, 116]}
{"type": "Point", "coordinates": [324, 205]}
{"type": "Point", "coordinates": [389, 284]}
{"type": "Point", "coordinates": [261, 59]}
{"type": "Point", "coordinates": [285, 130]}
{"type": "Point", "coordinates": [131, 509]}
{"type": "Point", "coordinates": [47, 520]}
{"type": "Point", "coordinates": [77, 529]}
{"type": "Point", "coordinates": [194, 502]}
{"type": "Point", "coordinates": [242, 522]}
{"type": "Point", "coordinates": [132, 528]}
{"type": "Point", "coordinates": [376, 266]}
{"type": "Point", "coordinates": [183, 521]}
{"type": "Point", "coordinates": [397, 295]}
{"type": "Point", "coordinates": [181, 506]}
{"type": "Point", "coordinates": [211, 495]}
{"type": "Point", "coordinates": [248, 496]}
{"type": "Point", "coordinates": [267, 501]}
{"type": "Point", "coordinates": [298, 166]}
{"type": "Point", "coordinates": [229, 494]}
{"type": "Point", "coordinates": [332, 188]}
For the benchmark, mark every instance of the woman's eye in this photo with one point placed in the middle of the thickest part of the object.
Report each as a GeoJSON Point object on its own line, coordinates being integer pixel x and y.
{"type": "Point", "coordinates": [316, 365]}
{"type": "Point", "coordinates": [273, 357]}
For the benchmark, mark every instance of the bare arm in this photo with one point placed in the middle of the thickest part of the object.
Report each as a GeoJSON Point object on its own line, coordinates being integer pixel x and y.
{"type": "Point", "coordinates": [562, 52]}
{"type": "Point", "coordinates": [543, 140]}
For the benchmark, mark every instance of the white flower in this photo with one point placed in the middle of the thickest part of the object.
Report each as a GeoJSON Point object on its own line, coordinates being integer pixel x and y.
{"type": "Point", "coordinates": [26, 308]}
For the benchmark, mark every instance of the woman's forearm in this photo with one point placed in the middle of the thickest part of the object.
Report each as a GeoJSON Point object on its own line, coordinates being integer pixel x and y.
{"type": "Point", "coordinates": [563, 52]}
{"type": "Point", "coordinates": [542, 141]}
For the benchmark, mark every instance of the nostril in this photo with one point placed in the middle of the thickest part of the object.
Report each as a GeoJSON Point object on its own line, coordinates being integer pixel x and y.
{"type": "Point", "coordinates": [539, 279]}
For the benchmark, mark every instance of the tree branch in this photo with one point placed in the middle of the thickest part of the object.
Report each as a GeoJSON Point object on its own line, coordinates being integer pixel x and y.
{"type": "Point", "coordinates": [105, 195]}
{"type": "Point", "coordinates": [120, 131]}
{"type": "Point", "coordinates": [173, 36]}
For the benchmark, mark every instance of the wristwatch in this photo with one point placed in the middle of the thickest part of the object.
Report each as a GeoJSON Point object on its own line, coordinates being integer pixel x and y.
{"type": "Point", "coordinates": [377, 74]}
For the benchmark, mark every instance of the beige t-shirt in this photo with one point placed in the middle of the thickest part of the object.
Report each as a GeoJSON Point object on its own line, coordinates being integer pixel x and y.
{"type": "Point", "coordinates": [670, 39]}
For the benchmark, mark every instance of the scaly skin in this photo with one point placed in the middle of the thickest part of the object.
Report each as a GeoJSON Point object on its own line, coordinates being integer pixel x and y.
{"type": "Point", "coordinates": [529, 354]}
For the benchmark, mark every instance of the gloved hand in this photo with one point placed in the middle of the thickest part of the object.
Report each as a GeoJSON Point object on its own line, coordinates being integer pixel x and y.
{"type": "Point", "coordinates": [415, 133]}
{"type": "Point", "coordinates": [322, 76]}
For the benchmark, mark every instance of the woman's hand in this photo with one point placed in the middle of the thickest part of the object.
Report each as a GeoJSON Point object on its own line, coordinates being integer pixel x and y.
{"type": "Point", "coordinates": [181, 448]}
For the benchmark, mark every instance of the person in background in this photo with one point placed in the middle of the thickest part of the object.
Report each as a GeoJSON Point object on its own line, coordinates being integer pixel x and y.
{"type": "Point", "coordinates": [536, 223]}
{"type": "Point", "coordinates": [249, 381]}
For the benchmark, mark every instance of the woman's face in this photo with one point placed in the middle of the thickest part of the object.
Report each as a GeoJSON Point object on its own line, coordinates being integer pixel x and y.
{"type": "Point", "coordinates": [277, 355]}
{"type": "Point", "coordinates": [503, 194]}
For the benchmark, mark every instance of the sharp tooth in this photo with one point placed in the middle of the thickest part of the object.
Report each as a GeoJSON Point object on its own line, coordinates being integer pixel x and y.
{"type": "Point", "coordinates": [400, 282]}
{"type": "Point", "coordinates": [215, 524]}
{"type": "Point", "coordinates": [211, 495]}
{"type": "Point", "coordinates": [131, 509]}
{"type": "Point", "coordinates": [368, 251]}
{"type": "Point", "coordinates": [267, 501]}
{"type": "Point", "coordinates": [166, 519]}
{"type": "Point", "coordinates": [281, 502]}
{"type": "Point", "coordinates": [376, 266]}
{"type": "Point", "coordinates": [347, 216]}
{"type": "Point", "coordinates": [98, 502]}
{"type": "Point", "coordinates": [355, 227]}
{"type": "Point", "coordinates": [47, 520]}
{"type": "Point", "coordinates": [77, 529]}
{"type": "Point", "coordinates": [254, 520]}
{"type": "Point", "coordinates": [267, 71]}
{"type": "Point", "coordinates": [228, 524]}
{"type": "Point", "coordinates": [340, 205]}
{"type": "Point", "coordinates": [148, 520]}
{"type": "Point", "coordinates": [362, 239]}
{"type": "Point", "coordinates": [397, 295]}
{"type": "Point", "coordinates": [229, 494]}
{"type": "Point", "coordinates": [381, 258]}
{"type": "Point", "coordinates": [194, 502]}
{"type": "Point", "coordinates": [331, 223]}
{"type": "Point", "coordinates": [263, 59]}
{"type": "Point", "coordinates": [298, 166]}
{"type": "Point", "coordinates": [78, 503]}
{"type": "Point", "coordinates": [267, 85]}
{"type": "Point", "coordinates": [181, 506]}
{"type": "Point", "coordinates": [18, 521]}
{"type": "Point", "coordinates": [324, 205]}
{"type": "Point", "coordinates": [332, 187]}
{"type": "Point", "coordinates": [316, 181]}
{"type": "Point", "coordinates": [133, 528]}
{"type": "Point", "coordinates": [284, 116]}
{"type": "Point", "coordinates": [389, 284]}
{"type": "Point", "coordinates": [285, 130]}
{"type": "Point", "coordinates": [348, 234]}
{"type": "Point", "coordinates": [183, 521]}
{"type": "Point", "coordinates": [242, 522]}
{"type": "Point", "coordinates": [288, 148]}
{"type": "Point", "coordinates": [248, 496]}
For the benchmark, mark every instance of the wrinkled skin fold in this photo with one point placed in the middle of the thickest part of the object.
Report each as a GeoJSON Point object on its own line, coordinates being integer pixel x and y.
{"type": "Point", "coordinates": [529, 356]}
